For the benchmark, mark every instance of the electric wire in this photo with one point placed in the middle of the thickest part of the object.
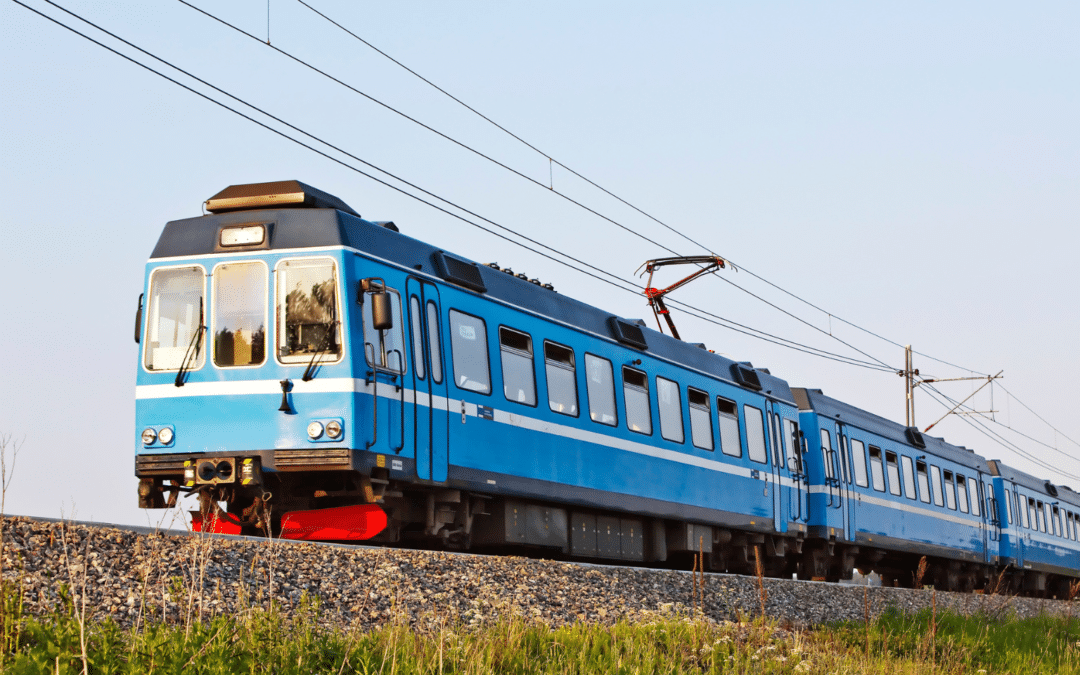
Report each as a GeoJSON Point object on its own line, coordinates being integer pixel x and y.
{"type": "Point", "coordinates": [634, 289]}
{"type": "Point", "coordinates": [516, 172]}
{"type": "Point", "coordinates": [998, 438]}
{"type": "Point", "coordinates": [632, 206]}
{"type": "Point", "coordinates": [1013, 396]}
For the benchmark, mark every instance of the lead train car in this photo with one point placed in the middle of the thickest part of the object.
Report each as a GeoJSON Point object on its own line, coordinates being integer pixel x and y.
{"type": "Point", "coordinates": [328, 377]}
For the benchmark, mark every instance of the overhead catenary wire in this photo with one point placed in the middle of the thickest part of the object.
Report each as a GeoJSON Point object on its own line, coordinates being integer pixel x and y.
{"type": "Point", "coordinates": [625, 285]}
{"type": "Point", "coordinates": [373, 99]}
{"type": "Point", "coordinates": [977, 424]}
{"type": "Point", "coordinates": [553, 161]}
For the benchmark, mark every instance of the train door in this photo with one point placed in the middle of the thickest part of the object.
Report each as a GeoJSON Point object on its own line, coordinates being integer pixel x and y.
{"type": "Point", "coordinates": [1021, 537]}
{"type": "Point", "coordinates": [991, 527]}
{"type": "Point", "coordinates": [847, 505]}
{"type": "Point", "coordinates": [781, 479]}
{"type": "Point", "coordinates": [430, 418]}
{"type": "Point", "coordinates": [799, 495]}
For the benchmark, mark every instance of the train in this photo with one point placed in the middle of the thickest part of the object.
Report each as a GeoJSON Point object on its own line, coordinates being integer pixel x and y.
{"type": "Point", "coordinates": [309, 374]}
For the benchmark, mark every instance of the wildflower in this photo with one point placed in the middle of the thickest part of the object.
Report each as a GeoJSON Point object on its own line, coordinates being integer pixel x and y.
{"type": "Point", "coordinates": [803, 667]}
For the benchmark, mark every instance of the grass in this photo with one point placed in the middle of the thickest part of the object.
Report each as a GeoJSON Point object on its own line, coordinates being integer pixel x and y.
{"type": "Point", "coordinates": [266, 641]}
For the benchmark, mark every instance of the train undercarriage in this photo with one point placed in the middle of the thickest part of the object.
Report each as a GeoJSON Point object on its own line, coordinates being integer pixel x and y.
{"type": "Point", "coordinates": [373, 509]}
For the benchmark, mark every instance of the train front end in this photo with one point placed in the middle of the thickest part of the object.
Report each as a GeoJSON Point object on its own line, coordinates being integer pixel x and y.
{"type": "Point", "coordinates": [246, 394]}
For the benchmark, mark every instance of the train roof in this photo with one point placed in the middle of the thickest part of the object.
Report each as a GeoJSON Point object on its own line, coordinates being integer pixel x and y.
{"type": "Point", "coordinates": [817, 401]}
{"type": "Point", "coordinates": [1042, 485]}
{"type": "Point", "coordinates": [307, 218]}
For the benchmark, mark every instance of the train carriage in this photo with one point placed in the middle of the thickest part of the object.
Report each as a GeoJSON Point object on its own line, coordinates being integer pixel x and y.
{"type": "Point", "coordinates": [333, 377]}
{"type": "Point", "coordinates": [310, 374]}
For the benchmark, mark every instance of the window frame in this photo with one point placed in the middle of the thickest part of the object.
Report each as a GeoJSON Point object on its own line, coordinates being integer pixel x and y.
{"type": "Point", "coordinates": [691, 406]}
{"type": "Point", "coordinates": [504, 350]}
{"type": "Point", "coordinates": [212, 324]}
{"type": "Point", "coordinates": [281, 319]}
{"type": "Point", "coordinates": [877, 468]}
{"type": "Point", "coordinates": [936, 487]}
{"type": "Point", "coordinates": [552, 363]}
{"type": "Point", "coordinates": [434, 340]}
{"type": "Point", "coordinates": [827, 453]}
{"type": "Point", "coordinates": [395, 304]}
{"type": "Point", "coordinates": [589, 390]}
{"type": "Point", "coordinates": [678, 409]}
{"type": "Point", "coordinates": [486, 352]}
{"type": "Point", "coordinates": [638, 389]}
{"type": "Point", "coordinates": [922, 475]}
{"type": "Point", "coordinates": [907, 468]}
{"type": "Point", "coordinates": [148, 319]}
{"type": "Point", "coordinates": [892, 474]}
{"type": "Point", "coordinates": [950, 488]}
{"type": "Point", "coordinates": [858, 461]}
{"type": "Point", "coordinates": [722, 402]}
{"type": "Point", "coordinates": [416, 330]}
{"type": "Point", "coordinates": [963, 496]}
{"type": "Point", "coordinates": [764, 434]}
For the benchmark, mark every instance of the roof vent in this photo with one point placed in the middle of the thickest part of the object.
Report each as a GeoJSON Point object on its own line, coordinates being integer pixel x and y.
{"type": "Point", "coordinates": [627, 333]}
{"type": "Point", "coordinates": [745, 375]}
{"type": "Point", "coordinates": [388, 224]}
{"type": "Point", "coordinates": [459, 272]}
{"type": "Point", "coordinates": [288, 193]}
{"type": "Point", "coordinates": [915, 437]}
{"type": "Point", "coordinates": [1051, 489]}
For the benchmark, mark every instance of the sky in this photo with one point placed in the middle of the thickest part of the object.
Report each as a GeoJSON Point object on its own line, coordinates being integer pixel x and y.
{"type": "Point", "coordinates": [910, 168]}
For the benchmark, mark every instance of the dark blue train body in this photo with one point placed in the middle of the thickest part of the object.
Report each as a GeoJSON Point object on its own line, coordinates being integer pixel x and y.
{"type": "Point", "coordinates": [328, 377]}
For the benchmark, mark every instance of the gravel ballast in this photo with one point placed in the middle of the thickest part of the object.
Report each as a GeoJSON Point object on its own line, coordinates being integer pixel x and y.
{"type": "Point", "coordinates": [138, 577]}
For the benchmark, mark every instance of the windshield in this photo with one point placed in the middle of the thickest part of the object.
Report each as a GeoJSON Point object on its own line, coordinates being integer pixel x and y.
{"type": "Point", "coordinates": [239, 314]}
{"type": "Point", "coordinates": [174, 311]}
{"type": "Point", "coordinates": [307, 310]}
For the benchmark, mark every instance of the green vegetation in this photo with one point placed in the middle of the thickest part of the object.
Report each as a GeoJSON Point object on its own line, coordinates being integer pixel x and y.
{"type": "Point", "coordinates": [266, 641]}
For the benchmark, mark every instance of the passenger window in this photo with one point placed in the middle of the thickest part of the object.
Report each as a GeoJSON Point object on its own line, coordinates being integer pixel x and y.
{"type": "Point", "coordinates": [950, 491]}
{"type": "Point", "coordinates": [924, 483]}
{"type": "Point", "coordinates": [827, 453]}
{"type": "Point", "coordinates": [794, 458]}
{"type": "Point", "coordinates": [417, 337]}
{"type": "Point", "coordinates": [700, 419]}
{"type": "Point", "coordinates": [601, 386]}
{"type": "Point", "coordinates": [636, 399]}
{"type": "Point", "coordinates": [976, 496]}
{"type": "Point", "coordinates": [935, 481]}
{"type": "Point", "coordinates": [1027, 511]}
{"type": "Point", "coordinates": [909, 476]}
{"type": "Point", "coordinates": [1057, 521]}
{"type": "Point", "coordinates": [519, 378]}
{"type": "Point", "coordinates": [893, 471]}
{"type": "Point", "coordinates": [755, 434]}
{"type": "Point", "coordinates": [858, 462]}
{"type": "Point", "coordinates": [561, 378]}
{"type": "Point", "coordinates": [670, 404]}
{"type": "Point", "coordinates": [1008, 505]}
{"type": "Point", "coordinates": [240, 314]}
{"type": "Point", "coordinates": [777, 442]}
{"type": "Point", "coordinates": [877, 475]}
{"type": "Point", "coordinates": [727, 416]}
{"type": "Point", "coordinates": [175, 319]}
{"type": "Point", "coordinates": [962, 493]}
{"type": "Point", "coordinates": [385, 346]}
{"type": "Point", "coordinates": [468, 342]}
{"type": "Point", "coordinates": [434, 346]}
{"type": "Point", "coordinates": [307, 313]}
{"type": "Point", "coordinates": [1039, 520]}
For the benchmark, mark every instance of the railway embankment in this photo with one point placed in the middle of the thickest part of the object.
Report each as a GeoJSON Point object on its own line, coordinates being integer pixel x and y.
{"type": "Point", "coordinates": [135, 578]}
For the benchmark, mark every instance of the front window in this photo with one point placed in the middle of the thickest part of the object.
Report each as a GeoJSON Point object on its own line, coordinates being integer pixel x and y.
{"type": "Point", "coordinates": [175, 318]}
{"type": "Point", "coordinates": [239, 314]}
{"type": "Point", "coordinates": [307, 310]}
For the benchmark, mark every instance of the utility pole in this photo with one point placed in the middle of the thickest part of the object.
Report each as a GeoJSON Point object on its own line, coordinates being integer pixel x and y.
{"type": "Point", "coordinates": [909, 388]}
{"type": "Point", "coordinates": [910, 373]}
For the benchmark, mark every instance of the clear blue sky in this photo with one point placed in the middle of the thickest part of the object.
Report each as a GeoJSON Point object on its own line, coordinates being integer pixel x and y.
{"type": "Point", "coordinates": [911, 167]}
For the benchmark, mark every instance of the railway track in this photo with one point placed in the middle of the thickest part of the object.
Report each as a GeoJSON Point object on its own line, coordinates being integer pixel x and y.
{"type": "Point", "coordinates": [138, 573]}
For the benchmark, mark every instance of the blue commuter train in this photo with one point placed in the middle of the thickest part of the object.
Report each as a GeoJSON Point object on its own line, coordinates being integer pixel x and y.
{"type": "Point", "coordinates": [321, 376]}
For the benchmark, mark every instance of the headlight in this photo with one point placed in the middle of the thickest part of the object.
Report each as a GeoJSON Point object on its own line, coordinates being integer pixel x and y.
{"type": "Point", "coordinates": [149, 436]}
{"type": "Point", "coordinates": [314, 430]}
{"type": "Point", "coordinates": [333, 429]}
{"type": "Point", "coordinates": [165, 436]}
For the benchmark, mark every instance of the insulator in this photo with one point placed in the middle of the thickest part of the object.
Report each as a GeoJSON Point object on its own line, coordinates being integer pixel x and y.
{"type": "Point", "coordinates": [534, 281]}
{"type": "Point", "coordinates": [494, 266]}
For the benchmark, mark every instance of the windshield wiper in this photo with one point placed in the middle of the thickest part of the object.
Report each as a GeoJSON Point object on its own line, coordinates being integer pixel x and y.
{"type": "Point", "coordinates": [196, 341]}
{"type": "Point", "coordinates": [309, 372]}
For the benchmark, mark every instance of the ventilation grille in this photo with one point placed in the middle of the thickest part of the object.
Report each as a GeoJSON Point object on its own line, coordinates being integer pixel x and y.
{"type": "Point", "coordinates": [915, 437]}
{"type": "Point", "coordinates": [627, 333]}
{"type": "Point", "coordinates": [312, 458]}
{"type": "Point", "coordinates": [460, 272]}
{"type": "Point", "coordinates": [159, 465]}
{"type": "Point", "coordinates": [745, 375]}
